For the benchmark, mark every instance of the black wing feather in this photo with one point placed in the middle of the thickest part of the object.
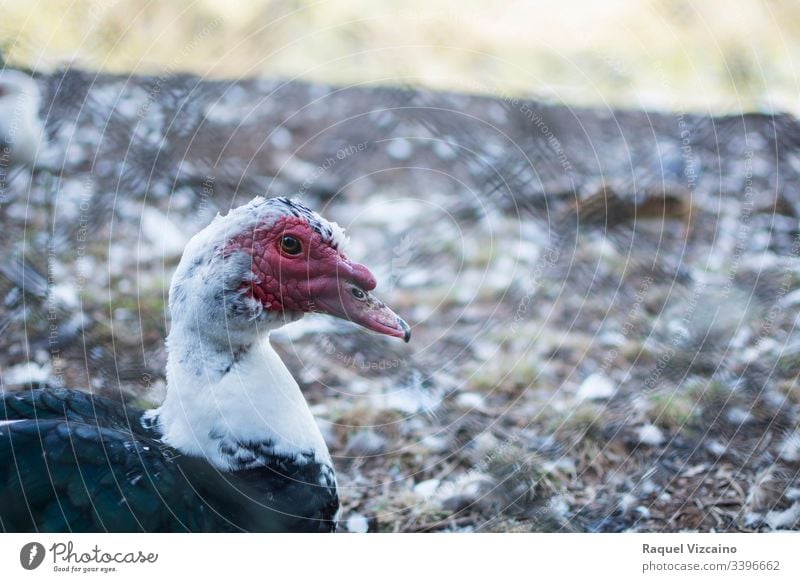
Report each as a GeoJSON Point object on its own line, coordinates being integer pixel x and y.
{"type": "Point", "coordinates": [73, 462]}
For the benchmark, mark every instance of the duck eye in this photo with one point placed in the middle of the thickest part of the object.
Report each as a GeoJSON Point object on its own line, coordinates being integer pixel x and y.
{"type": "Point", "coordinates": [358, 293]}
{"type": "Point", "coordinates": [290, 245]}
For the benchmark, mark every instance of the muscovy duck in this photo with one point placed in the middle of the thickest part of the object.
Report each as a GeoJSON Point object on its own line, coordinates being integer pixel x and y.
{"type": "Point", "coordinates": [20, 127]}
{"type": "Point", "coordinates": [234, 446]}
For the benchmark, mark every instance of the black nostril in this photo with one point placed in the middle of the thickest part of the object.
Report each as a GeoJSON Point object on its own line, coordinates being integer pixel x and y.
{"type": "Point", "coordinates": [406, 330]}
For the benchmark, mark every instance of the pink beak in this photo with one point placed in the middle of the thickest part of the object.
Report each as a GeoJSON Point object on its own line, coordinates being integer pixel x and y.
{"type": "Point", "coordinates": [347, 295]}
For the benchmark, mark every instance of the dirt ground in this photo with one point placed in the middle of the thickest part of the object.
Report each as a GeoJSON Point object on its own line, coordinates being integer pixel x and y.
{"type": "Point", "coordinates": [603, 302]}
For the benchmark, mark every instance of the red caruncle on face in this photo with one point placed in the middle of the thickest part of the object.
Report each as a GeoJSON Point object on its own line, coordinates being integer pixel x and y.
{"type": "Point", "coordinates": [284, 281]}
{"type": "Point", "coordinates": [296, 269]}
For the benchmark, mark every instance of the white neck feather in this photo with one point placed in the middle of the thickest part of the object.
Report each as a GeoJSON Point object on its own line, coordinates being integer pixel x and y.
{"type": "Point", "coordinates": [217, 399]}
{"type": "Point", "coordinates": [227, 389]}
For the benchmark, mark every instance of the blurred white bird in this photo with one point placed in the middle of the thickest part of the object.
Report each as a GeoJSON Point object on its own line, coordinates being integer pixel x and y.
{"type": "Point", "coordinates": [21, 129]}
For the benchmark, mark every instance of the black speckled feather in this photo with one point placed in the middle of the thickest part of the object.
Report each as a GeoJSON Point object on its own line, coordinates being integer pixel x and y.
{"type": "Point", "coordinates": [76, 462]}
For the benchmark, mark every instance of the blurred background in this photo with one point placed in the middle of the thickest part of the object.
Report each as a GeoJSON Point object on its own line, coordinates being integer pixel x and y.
{"type": "Point", "coordinates": [658, 54]}
{"type": "Point", "coordinates": [588, 211]}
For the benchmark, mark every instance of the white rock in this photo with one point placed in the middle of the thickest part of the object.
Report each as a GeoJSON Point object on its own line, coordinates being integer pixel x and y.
{"type": "Point", "coordinates": [650, 434]}
{"type": "Point", "coordinates": [596, 387]}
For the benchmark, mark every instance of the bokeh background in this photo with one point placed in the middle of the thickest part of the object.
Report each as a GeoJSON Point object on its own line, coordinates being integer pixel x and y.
{"type": "Point", "coordinates": [663, 54]}
{"type": "Point", "coordinates": [587, 210]}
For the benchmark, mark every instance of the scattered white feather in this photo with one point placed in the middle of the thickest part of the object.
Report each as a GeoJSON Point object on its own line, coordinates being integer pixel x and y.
{"type": "Point", "coordinates": [470, 401]}
{"type": "Point", "coordinates": [445, 150]}
{"type": "Point", "coordinates": [790, 447]}
{"type": "Point", "coordinates": [651, 435]}
{"type": "Point", "coordinates": [739, 415]}
{"type": "Point", "coordinates": [435, 444]}
{"type": "Point", "coordinates": [224, 113]}
{"type": "Point", "coordinates": [464, 489]}
{"type": "Point", "coordinates": [792, 299]}
{"type": "Point", "coordinates": [26, 373]}
{"type": "Point", "coordinates": [311, 324]}
{"type": "Point", "coordinates": [427, 489]}
{"type": "Point", "coordinates": [397, 215]}
{"type": "Point", "coordinates": [357, 523]}
{"type": "Point", "coordinates": [164, 234]}
{"type": "Point", "coordinates": [65, 294]}
{"type": "Point", "coordinates": [626, 502]}
{"type": "Point", "coordinates": [281, 138]}
{"type": "Point", "coordinates": [715, 447]}
{"type": "Point", "coordinates": [400, 149]}
{"type": "Point", "coordinates": [783, 519]}
{"type": "Point", "coordinates": [596, 387]}
{"type": "Point", "coordinates": [366, 443]}
{"type": "Point", "coordinates": [415, 397]}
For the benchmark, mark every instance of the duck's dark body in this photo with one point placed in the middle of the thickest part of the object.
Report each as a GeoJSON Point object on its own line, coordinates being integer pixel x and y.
{"type": "Point", "coordinates": [81, 463]}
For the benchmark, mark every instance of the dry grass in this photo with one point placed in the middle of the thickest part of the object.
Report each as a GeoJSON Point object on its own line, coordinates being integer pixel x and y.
{"type": "Point", "coordinates": [665, 54]}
